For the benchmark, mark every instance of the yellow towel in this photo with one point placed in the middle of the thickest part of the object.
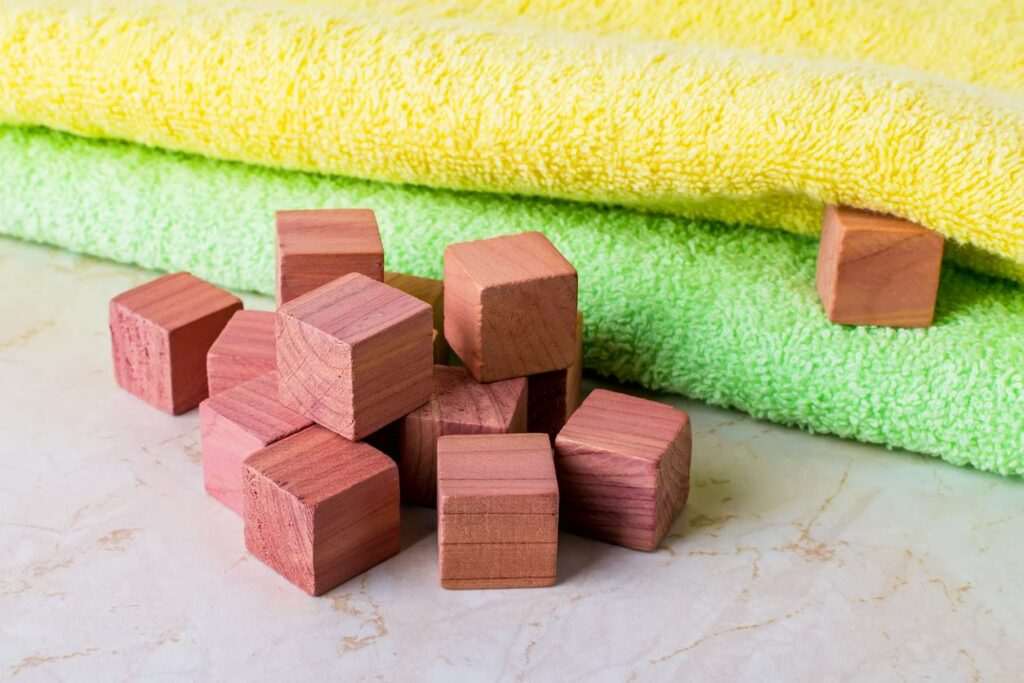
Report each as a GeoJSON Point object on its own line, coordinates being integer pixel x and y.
{"type": "Point", "coordinates": [753, 112]}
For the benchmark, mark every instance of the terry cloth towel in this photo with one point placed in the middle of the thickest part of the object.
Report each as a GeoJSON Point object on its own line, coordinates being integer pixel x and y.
{"type": "Point", "coordinates": [684, 106]}
{"type": "Point", "coordinates": [729, 316]}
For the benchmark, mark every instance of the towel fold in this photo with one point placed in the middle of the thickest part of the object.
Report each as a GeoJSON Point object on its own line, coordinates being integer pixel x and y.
{"type": "Point", "coordinates": [729, 316]}
{"type": "Point", "coordinates": [753, 113]}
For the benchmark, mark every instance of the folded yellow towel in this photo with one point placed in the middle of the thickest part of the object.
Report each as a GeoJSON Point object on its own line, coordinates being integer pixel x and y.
{"type": "Point", "coordinates": [662, 105]}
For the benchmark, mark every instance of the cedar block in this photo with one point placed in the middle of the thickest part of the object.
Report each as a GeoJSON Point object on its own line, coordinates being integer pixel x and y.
{"type": "Point", "coordinates": [354, 355]}
{"type": "Point", "coordinates": [431, 292]}
{"type": "Point", "coordinates": [553, 396]}
{"type": "Point", "coordinates": [160, 333]}
{"type": "Point", "coordinates": [320, 245]}
{"type": "Point", "coordinates": [623, 469]}
{"type": "Point", "coordinates": [875, 269]}
{"type": "Point", "coordinates": [458, 405]}
{"type": "Point", "coordinates": [497, 511]}
{"type": "Point", "coordinates": [236, 423]}
{"type": "Point", "coordinates": [320, 509]}
{"type": "Point", "coordinates": [510, 306]}
{"type": "Point", "coordinates": [243, 351]}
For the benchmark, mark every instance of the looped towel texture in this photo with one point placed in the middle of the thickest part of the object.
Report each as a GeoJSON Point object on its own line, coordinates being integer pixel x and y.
{"type": "Point", "coordinates": [702, 109]}
{"type": "Point", "coordinates": [646, 139]}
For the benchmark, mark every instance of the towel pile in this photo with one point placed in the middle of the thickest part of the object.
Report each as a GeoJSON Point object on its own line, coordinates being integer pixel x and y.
{"type": "Point", "coordinates": [646, 139]}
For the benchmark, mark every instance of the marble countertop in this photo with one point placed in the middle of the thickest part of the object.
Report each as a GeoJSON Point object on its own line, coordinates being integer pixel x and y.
{"type": "Point", "coordinates": [798, 557]}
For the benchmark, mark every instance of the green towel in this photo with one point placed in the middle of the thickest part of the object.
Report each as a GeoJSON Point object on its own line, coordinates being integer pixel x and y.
{"type": "Point", "coordinates": [722, 314]}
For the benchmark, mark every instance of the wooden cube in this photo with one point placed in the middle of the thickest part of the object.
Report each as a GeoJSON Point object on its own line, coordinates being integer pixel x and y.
{"type": "Point", "coordinates": [458, 405]}
{"type": "Point", "coordinates": [320, 245]}
{"type": "Point", "coordinates": [553, 396]}
{"type": "Point", "coordinates": [244, 350]}
{"type": "Point", "coordinates": [431, 292]}
{"type": "Point", "coordinates": [623, 466]}
{"type": "Point", "coordinates": [877, 270]}
{"type": "Point", "coordinates": [320, 509]}
{"type": "Point", "coordinates": [497, 516]}
{"type": "Point", "coordinates": [354, 355]}
{"type": "Point", "coordinates": [160, 333]}
{"type": "Point", "coordinates": [236, 423]}
{"type": "Point", "coordinates": [510, 306]}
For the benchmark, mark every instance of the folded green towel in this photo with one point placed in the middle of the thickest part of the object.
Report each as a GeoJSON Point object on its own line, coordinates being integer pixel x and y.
{"type": "Point", "coordinates": [729, 316]}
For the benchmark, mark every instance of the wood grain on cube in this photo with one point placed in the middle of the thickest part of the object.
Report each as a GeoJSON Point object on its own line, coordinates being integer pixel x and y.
{"type": "Point", "coordinates": [458, 405]}
{"type": "Point", "coordinates": [875, 269]}
{"type": "Point", "coordinates": [319, 245]}
{"type": "Point", "coordinates": [497, 511]}
{"type": "Point", "coordinates": [236, 423]}
{"type": "Point", "coordinates": [320, 509]}
{"type": "Point", "coordinates": [553, 396]}
{"type": "Point", "coordinates": [623, 467]}
{"type": "Point", "coordinates": [354, 355]}
{"type": "Point", "coordinates": [160, 333]}
{"type": "Point", "coordinates": [499, 565]}
{"type": "Point", "coordinates": [510, 306]}
{"type": "Point", "coordinates": [431, 292]}
{"type": "Point", "coordinates": [244, 350]}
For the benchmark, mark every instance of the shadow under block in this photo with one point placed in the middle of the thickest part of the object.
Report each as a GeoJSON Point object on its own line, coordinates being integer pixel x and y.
{"type": "Point", "coordinates": [875, 269]}
{"type": "Point", "coordinates": [354, 355]}
{"type": "Point", "coordinates": [459, 405]}
{"type": "Point", "coordinates": [553, 396]}
{"type": "Point", "coordinates": [623, 466]}
{"type": "Point", "coordinates": [510, 306]}
{"type": "Point", "coordinates": [160, 333]}
{"type": "Point", "coordinates": [431, 292]}
{"type": "Point", "coordinates": [316, 246]}
{"type": "Point", "coordinates": [320, 509]}
{"type": "Point", "coordinates": [236, 423]}
{"type": "Point", "coordinates": [497, 514]}
{"type": "Point", "coordinates": [244, 350]}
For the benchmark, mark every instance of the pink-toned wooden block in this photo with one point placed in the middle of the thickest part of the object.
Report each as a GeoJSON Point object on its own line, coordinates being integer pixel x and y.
{"type": "Point", "coordinates": [236, 423]}
{"type": "Point", "coordinates": [319, 245]}
{"type": "Point", "coordinates": [160, 333]}
{"type": "Point", "coordinates": [320, 509]}
{"type": "Point", "coordinates": [553, 396]}
{"type": "Point", "coordinates": [510, 306]}
{"type": "Point", "coordinates": [875, 269]}
{"type": "Point", "coordinates": [354, 355]}
{"type": "Point", "coordinates": [459, 405]}
{"type": "Point", "coordinates": [623, 466]}
{"type": "Point", "coordinates": [244, 350]}
{"type": "Point", "coordinates": [431, 292]}
{"type": "Point", "coordinates": [497, 511]}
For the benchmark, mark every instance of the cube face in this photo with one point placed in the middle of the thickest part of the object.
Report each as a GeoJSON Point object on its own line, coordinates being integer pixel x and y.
{"type": "Point", "coordinates": [877, 270]}
{"type": "Point", "coordinates": [320, 509]}
{"type": "Point", "coordinates": [623, 468]}
{"type": "Point", "coordinates": [160, 334]}
{"type": "Point", "coordinates": [458, 405]}
{"type": "Point", "coordinates": [354, 355]}
{"type": "Point", "coordinates": [430, 292]}
{"type": "Point", "coordinates": [320, 245]}
{"type": "Point", "coordinates": [510, 306]}
{"type": "Point", "coordinates": [497, 511]}
{"type": "Point", "coordinates": [499, 565]}
{"type": "Point", "coordinates": [235, 424]}
{"type": "Point", "coordinates": [244, 350]}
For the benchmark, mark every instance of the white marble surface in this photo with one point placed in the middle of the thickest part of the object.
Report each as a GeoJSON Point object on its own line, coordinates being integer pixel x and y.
{"type": "Point", "coordinates": [798, 557]}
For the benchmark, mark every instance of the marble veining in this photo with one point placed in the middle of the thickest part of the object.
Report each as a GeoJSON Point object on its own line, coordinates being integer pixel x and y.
{"type": "Point", "coordinates": [798, 557]}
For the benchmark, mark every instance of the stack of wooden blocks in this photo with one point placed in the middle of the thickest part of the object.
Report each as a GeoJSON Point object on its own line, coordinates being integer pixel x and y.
{"type": "Point", "coordinates": [326, 414]}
